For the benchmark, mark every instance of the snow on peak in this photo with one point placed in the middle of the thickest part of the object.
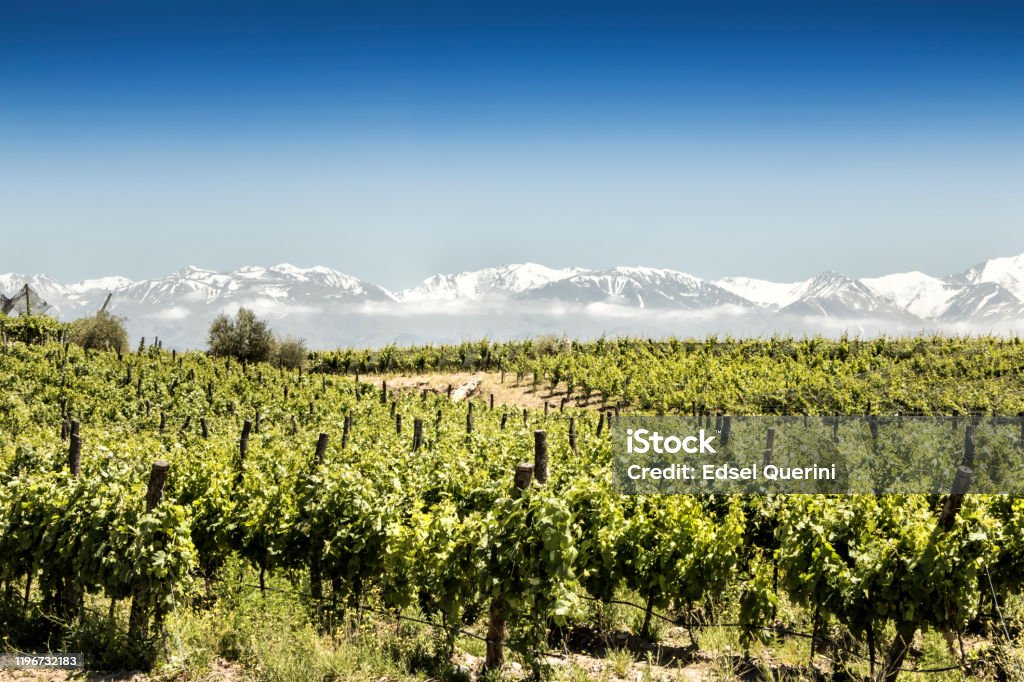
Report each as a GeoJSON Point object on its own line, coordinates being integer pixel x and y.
{"type": "Point", "coordinates": [647, 274]}
{"type": "Point", "coordinates": [921, 294]}
{"type": "Point", "coordinates": [474, 285]}
{"type": "Point", "coordinates": [763, 292]}
{"type": "Point", "coordinates": [105, 284]}
{"type": "Point", "coordinates": [1007, 272]}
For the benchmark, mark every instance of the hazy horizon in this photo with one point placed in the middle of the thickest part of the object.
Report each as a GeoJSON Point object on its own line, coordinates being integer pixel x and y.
{"type": "Point", "coordinates": [810, 272]}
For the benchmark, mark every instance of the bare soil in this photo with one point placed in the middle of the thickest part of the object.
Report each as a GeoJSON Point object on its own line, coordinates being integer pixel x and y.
{"type": "Point", "coordinates": [482, 385]}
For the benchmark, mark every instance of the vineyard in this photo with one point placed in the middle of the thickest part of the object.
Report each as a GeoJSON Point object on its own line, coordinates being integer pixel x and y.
{"type": "Point", "coordinates": [144, 491]}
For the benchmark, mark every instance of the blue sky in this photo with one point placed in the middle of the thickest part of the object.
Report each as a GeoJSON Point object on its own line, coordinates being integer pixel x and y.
{"type": "Point", "coordinates": [396, 140]}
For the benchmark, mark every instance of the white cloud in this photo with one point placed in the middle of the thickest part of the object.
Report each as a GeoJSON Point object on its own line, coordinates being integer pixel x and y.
{"type": "Point", "coordinates": [173, 313]}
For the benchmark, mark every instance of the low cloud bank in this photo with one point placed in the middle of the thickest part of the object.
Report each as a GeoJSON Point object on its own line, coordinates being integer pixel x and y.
{"type": "Point", "coordinates": [330, 325]}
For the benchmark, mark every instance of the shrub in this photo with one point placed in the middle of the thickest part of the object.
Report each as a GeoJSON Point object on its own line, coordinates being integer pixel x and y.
{"type": "Point", "coordinates": [291, 353]}
{"type": "Point", "coordinates": [102, 331]}
{"type": "Point", "coordinates": [245, 337]}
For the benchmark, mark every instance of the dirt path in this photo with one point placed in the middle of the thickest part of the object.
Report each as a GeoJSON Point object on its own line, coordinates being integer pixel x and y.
{"type": "Point", "coordinates": [481, 385]}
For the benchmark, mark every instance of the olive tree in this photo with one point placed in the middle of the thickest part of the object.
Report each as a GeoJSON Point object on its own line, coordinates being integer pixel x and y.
{"type": "Point", "coordinates": [244, 337]}
{"type": "Point", "coordinates": [102, 331]}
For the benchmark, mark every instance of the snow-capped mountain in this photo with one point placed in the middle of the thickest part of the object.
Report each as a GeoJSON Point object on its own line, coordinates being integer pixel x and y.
{"type": "Point", "coordinates": [921, 294]}
{"type": "Point", "coordinates": [281, 283]}
{"type": "Point", "coordinates": [638, 287]}
{"type": "Point", "coordinates": [330, 308]}
{"type": "Point", "coordinates": [986, 301]}
{"type": "Point", "coordinates": [60, 298]}
{"type": "Point", "coordinates": [502, 281]}
{"type": "Point", "coordinates": [1006, 272]}
{"type": "Point", "coordinates": [831, 294]}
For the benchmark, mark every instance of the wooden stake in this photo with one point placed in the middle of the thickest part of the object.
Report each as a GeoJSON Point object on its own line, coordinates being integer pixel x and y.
{"type": "Point", "coordinates": [969, 446]}
{"type": "Point", "coordinates": [321, 449]}
{"type": "Point", "coordinates": [905, 630]}
{"type": "Point", "coordinates": [138, 620]}
{"type": "Point", "coordinates": [769, 447]}
{"type": "Point", "coordinates": [495, 656]}
{"type": "Point", "coordinates": [243, 449]}
{"type": "Point", "coordinates": [726, 429]}
{"type": "Point", "coordinates": [540, 456]}
{"type": "Point", "coordinates": [417, 434]}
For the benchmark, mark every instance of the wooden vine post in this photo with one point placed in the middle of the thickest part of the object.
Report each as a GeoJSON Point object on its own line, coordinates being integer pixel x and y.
{"type": "Point", "coordinates": [769, 447]}
{"type": "Point", "coordinates": [243, 449]}
{"type": "Point", "coordinates": [75, 449]}
{"type": "Point", "coordinates": [321, 449]}
{"type": "Point", "coordinates": [495, 656]}
{"type": "Point", "coordinates": [540, 456]}
{"type": "Point", "coordinates": [316, 581]}
{"type": "Point", "coordinates": [138, 620]}
{"type": "Point", "coordinates": [905, 630]}
{"type": "Point", "coordinates": [71, 598]}
{"type": "Point", "coordinates": [417, 434]}
{"type": "Point", "coordinates": [345, 427]}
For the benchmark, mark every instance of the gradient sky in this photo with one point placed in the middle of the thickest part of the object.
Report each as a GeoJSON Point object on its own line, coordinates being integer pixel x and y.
{"type": "Point", "coordinates": [395, 140]}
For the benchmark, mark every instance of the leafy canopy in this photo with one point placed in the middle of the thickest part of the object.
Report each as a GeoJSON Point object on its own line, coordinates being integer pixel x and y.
{"type": "Point", "coordinates": [245, 337]}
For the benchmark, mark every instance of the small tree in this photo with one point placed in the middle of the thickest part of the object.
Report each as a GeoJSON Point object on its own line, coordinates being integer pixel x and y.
{"type": "Point", "coordinates": [291, 352]}
{"type": "Point", "coordinates": [102, 331]}
{"type": "Point", "coordinates": [245, 337]}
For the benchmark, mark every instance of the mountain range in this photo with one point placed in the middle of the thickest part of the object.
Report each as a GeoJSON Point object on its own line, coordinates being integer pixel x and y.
{"type": "Point", "coordinates": [331, 308]}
